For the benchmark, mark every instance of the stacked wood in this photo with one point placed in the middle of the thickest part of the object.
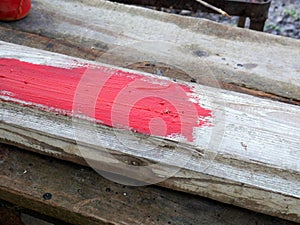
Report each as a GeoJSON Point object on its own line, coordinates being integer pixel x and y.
{"type": "Point", "coordinates": [243, 150]}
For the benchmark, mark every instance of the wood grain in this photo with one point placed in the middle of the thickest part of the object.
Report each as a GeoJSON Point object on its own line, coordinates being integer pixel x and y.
{"type": "Point", "coordinates": [249, 157]}
{"type": "Point", "coordinates": [81, 196]}
{"type": "Point", "coordinates": [121, 35]}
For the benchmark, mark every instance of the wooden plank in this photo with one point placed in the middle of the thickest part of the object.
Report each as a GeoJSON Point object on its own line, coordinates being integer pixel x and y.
{"type": "Point", "coordinates": [248, 154]}
{"type": "Point", "coordinates": [131, 34]}
{"type": "Point", "coordinates": [81, 196]}
{"type": "Point", "coordinates": [79, 50]}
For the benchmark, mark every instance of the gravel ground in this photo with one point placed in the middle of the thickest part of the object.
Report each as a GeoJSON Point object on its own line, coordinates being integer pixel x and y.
{"type": "Point", "coordinates": [284, 18]}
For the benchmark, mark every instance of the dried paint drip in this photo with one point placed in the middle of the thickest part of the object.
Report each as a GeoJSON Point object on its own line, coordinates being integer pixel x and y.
{"type": "Point", "coordinates": [110, 96]}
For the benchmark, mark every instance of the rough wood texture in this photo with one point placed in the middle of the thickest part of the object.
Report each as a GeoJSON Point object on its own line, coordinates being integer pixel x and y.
{"type": "Point", "coordinates": [130, 34]}
{"type": "Point", "coordinates": [81, 196]}
{"type": "Point", "coordinates": [256, 165]}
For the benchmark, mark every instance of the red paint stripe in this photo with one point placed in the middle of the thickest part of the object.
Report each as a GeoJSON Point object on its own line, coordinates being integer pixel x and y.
{"type": "Point", "coordinates": [112, 97]}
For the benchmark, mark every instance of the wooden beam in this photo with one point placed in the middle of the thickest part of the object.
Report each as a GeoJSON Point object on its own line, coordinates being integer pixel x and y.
{"type": "Point", "coordinates": [129, 34]}
{"type": "Point", "coordinates": [243, 151]}
{"type": "Point", "coordinates": [80, 196]}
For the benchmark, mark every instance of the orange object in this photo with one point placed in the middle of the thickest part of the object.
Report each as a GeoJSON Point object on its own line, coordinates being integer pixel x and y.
{"type": "Point", "coordinates": [14, 9]}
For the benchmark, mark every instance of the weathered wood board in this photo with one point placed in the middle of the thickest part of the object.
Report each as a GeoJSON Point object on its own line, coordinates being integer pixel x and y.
{"type": "Point", "coordinates": [121, 35]}
{"type": "Point", "coordinates": [247, 155]}
{"type": "Point", "coordinates": [81, 196]}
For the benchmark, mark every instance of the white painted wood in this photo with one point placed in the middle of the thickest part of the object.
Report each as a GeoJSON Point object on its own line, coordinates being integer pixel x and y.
{"type": "Point", "coordinates": [251, 153]}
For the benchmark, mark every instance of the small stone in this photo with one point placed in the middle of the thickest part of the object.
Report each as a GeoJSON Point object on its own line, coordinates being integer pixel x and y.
{"type": "Point", "coordinates": [185, 12]}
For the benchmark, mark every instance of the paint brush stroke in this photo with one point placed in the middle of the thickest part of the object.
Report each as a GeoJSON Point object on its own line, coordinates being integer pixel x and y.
{"type": "Point", "coordinates": [110, 96]}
